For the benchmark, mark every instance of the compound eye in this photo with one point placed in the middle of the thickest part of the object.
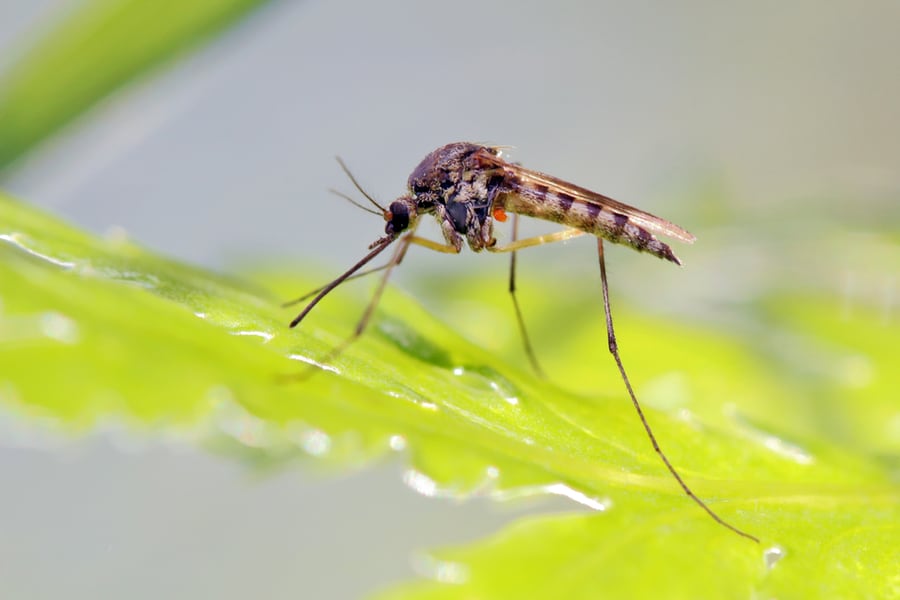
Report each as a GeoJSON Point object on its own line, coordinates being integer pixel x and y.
{"type": "Point", "coordinates": [399, 220]}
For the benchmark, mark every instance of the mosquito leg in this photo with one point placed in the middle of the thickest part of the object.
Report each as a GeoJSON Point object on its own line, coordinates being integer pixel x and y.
{"type": "Point", "coordinates": [512, 247]}
{"type": "Point", "coordinates": [432, 245]}
{"type": "Point", "coordinates": [367, 314]}
{"type": "Point", "coordinates": [614, 350]}
{"type": "Point", "coordinates": [395, 260]}
{"type": "Point", "coordinates": [558, 236]}
{"type": "Point", "coordinates": [529, 350]}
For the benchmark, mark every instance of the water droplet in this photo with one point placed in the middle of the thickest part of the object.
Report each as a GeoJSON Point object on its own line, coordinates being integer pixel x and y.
{"type": "Point", "coordinates": [148, 281]}
{"type": "Point", "coordinates": [770, 441]}
{"type": "Point", "coordinates": [506, 398]}
{"type": "Point", "coordinates": [420, 482]}
{"type": "Point", "coordinates": [245, 428]}
{"type": "Point", "coordinates": [555, 489]}
{"type": "Point", "coordinates": [15, 240]}
{"type": "Point", "coordinates": [789, 450]}
{"type": "Point", "coordinates": [59, 327]}
{"type": "Point", "coordinates": [310, 361]}
{"type": "Point", "coordinates": [561, 489]}
{"type": "Point", "coordinates": [493, 472]}
{"type": "Point", "coordinates": [689, 418]}
{"type": "Point", "coordinates": [267, 337]}
{"type": "Point", "coordinates": [233, 420]}
{"type": "Point", "coordinates": [773, 555]}
{"type": "Point", "coordinates": [442, 571]}
{"type": "Point", "coordinates": [413, 396]}
{"type": "Point", "coordinates": [397, 443]}
{"type": "Point", "coordinates": [315, 442]}
{"type": "Point", "coordinates": [478, 377]}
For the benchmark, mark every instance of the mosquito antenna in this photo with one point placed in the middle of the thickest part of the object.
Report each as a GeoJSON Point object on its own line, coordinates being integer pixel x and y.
{"type": "Point", "coordinates": [377, 248]}
{"type": "Point", "coordinates": [359, 187]}
{"type": "Point", "coordinates": [354, 202]}
{"type": "Point", "coordinates": [614, 350]}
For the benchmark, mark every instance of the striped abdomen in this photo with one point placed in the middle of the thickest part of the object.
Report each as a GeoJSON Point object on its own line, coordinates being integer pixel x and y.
{"type": "Point", "coordinates": [543, 202]}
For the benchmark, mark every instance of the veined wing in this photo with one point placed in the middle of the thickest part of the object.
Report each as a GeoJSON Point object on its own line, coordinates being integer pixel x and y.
{"type": "Point", "coordinates": [533, 179]}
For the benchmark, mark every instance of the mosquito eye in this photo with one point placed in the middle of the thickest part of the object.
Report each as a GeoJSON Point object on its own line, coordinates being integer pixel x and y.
{"type": "Point", "coordinates": [399, 218]}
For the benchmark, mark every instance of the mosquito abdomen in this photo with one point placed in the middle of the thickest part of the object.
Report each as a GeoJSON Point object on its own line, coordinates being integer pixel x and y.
{"type": "Point", "coordinates": [542, 202]}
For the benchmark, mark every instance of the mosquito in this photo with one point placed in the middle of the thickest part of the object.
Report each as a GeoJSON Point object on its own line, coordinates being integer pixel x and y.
{"type": "Point", "coordinates": [466, 187]}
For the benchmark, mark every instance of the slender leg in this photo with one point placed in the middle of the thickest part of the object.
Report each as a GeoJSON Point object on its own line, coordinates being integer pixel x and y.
{"type": "Point", "coordinates": [558, 236]}
{"type": "Point", "coordinates": [512, 248]}
{"type": "Point", "coordinates": [614, 350]}
{"type": "Point", "coordinates": [432, 245]}
{"type": "Point", "coordinates": [367, 314]}
{"type": "Point", "coordinates": [395, 260]}
{"type": "Point", "coordinates": [526, 341]}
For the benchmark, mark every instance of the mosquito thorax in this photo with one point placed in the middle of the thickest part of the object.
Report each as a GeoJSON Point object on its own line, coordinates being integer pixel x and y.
{"type": "Point", "coordinates": [441, 170]}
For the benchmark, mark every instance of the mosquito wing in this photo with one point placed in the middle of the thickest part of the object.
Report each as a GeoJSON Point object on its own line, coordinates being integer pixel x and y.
{"type": "Point", "coordinates": [531, 180]}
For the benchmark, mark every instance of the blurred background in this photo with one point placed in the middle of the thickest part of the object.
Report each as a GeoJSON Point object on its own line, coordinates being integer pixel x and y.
{"type": "Point", "coordinates": [769, 130]}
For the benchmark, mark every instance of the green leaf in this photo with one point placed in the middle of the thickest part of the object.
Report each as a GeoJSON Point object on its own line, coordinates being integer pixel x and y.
{"type": "Point", "coordinates": [99, 47]}
{"type": "Point", "coordinates": [93, 331]}
{"type": "Point", "coordinates": [844, 547]}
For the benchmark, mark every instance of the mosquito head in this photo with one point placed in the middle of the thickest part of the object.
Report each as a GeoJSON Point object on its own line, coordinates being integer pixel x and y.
{"type": "Point", "coordinates": [400, 215]}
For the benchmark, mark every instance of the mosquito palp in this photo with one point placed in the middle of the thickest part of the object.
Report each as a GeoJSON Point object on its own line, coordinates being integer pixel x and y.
{"type": "Point", "coordinates": [376, 249]}
{"type": "Point", "coordinates": [312, 293]}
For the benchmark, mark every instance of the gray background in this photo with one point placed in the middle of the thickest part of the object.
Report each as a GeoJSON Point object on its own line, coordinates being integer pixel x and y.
{"type": "Point", "coordinates": [225, 157]}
